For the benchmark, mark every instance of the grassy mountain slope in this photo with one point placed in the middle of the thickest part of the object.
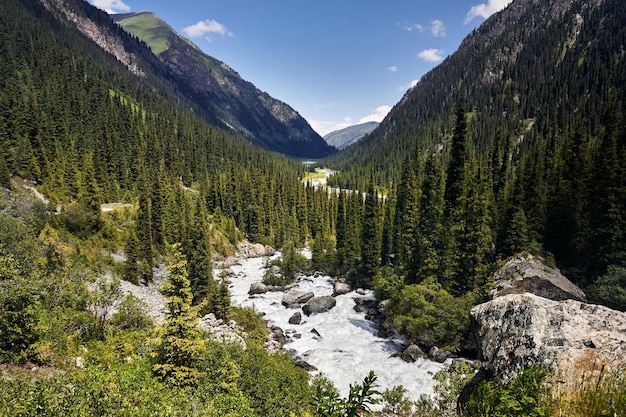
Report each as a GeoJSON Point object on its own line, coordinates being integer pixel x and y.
{"type": "Point", "coordinates": [532, 70]}
{"type": "Point", "coordinates": [217, 88]}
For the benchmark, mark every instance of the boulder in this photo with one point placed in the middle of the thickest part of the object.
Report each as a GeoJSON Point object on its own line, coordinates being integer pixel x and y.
{"type": "Point", "coordinates": [341, 288]}
{"type": "Point", "coordinates": [257, 288]}
{"type": "Point", "coordinates": [296, 318]}
{"type": "Point", "coordinates": [294, 298]}
{"type": "Point", "coordinates": [410, 354]}
{"type": "Point", "coordinates": [438, 355]}
{"type": "Point", "coordinates": [319, 305]}
{"type": "Point", "coordinates": [527, 273]}
{"type": "Point", "coordinates": [246, 249]}
{"type": "Point", "coordinates": [305, 365]}
{"type": "Point", "coordinates": [519, 331]}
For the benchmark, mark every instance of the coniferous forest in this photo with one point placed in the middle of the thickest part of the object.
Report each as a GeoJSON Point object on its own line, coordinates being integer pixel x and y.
{"type": "Point", "coordinates": [461, 175]}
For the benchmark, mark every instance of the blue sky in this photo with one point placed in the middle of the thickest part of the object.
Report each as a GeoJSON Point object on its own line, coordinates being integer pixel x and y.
{"type": "Point", "coordinates": [336, 62]}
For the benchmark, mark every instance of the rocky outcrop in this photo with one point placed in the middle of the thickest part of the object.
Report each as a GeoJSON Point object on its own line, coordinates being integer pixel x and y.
{"type": "Point", "coordinates": [519, 331]}
{"type": "Point", "coordinates": [527, 273]}
{"type": "Point", "coordinates": [294, 298]}
{"type": "Point", "coordinates": [319, 305]}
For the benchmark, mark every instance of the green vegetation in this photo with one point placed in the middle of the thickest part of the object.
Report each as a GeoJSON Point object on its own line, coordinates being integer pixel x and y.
{"type": "Point", "coordinates": [147, 26]}
{"type": "Point", "coordinates": [129, 168]}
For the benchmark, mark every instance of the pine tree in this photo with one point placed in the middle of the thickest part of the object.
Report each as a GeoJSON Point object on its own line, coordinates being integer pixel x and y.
{"type": "Point", "coordinates": [370, 237]}
{"type": "Point", "coordinates": [131, 270]}
{"type": "Point", "coordinates": [181, 347]}
{"type": "Point", "coordinates": [144, 234]}
{"type": "Point", "coordinates": [198, 253]}
{"type": "Point", "coordinates": [430, 229]}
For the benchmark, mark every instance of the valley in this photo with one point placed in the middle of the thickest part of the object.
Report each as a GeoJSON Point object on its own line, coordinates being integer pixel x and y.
{"type": "Point", "coordinates": [147, 191]}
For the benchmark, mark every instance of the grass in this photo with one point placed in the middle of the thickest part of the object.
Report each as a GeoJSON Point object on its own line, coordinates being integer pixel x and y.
{"type": "Point", "coordinates": [149, 28]}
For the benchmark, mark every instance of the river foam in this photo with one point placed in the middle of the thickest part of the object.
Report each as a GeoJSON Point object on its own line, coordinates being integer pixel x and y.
{"type": "Point", "coordinates": [347, 347]}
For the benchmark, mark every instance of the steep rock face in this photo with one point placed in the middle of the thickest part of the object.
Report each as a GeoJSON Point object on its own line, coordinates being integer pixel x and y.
{"type": "Point", "coordinates": [527, 273]}
{"type": "Point", "coordinates": [518, 331]}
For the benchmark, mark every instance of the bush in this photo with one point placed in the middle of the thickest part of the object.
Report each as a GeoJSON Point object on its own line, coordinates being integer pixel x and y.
{"type": "Point", "coordinates": [131, 314]}
{"type": "Point", "coordinates": [20, 325]}
{"type": "Point", "coordinates": [429, 315]}
{"type": "Point", "coordinates": [523, 396]}
{"type": "Point", "coordinates": [610, 289]}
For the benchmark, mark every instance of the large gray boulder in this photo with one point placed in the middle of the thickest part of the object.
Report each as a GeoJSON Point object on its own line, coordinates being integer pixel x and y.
{"type": "Point", "coordinates": [519, 331]}
{"type": "Point", "coordinates": [319, 305]}
{"type": "Point", "coordinates": [294, 298]}
{"type": "Point", "coordinates": [527, 273]}
{"type": "Point", "coordinates": [257, 288]}
{"type": "Point", "coordinates": [341, 288]}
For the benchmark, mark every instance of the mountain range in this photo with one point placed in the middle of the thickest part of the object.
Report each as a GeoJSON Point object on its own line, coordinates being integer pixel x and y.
{"type": "Point", "coordinates": [216, 91]}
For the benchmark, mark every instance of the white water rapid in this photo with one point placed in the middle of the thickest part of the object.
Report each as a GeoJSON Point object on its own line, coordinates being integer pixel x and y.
{"type": "Point", "coordinates": [347, 347]}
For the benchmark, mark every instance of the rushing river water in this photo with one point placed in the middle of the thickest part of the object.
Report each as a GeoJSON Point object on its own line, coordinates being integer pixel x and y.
{"type": "Point", "coordinates": [347, 347]}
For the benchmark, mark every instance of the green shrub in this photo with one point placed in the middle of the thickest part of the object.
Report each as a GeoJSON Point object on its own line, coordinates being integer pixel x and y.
{"type": "Point", "coordinates": [430, 315]}
{"type": "Point", "coordinates": [523, 396]}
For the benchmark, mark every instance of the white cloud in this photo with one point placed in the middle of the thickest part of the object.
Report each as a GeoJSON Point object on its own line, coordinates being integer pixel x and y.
{"type": "Point", "coordinates": [404, 88]}
{"type": "Point", "coordinates": [431, 55]}
{"type": "Point", "coordinates": [485, 10]}
{"type": "Point", "coordinates": [378, 115]}
{"type": "Point", "coordinates": [324, 127]}
{"type": "Point", "coordinates": [111, 6]}
{"type": "Point", "coordinates": [437, 28]}
{"type": "Point", "coordinates": [415, 26]}
{"type": "Point", "coordinates": [207, 27]}
{"type": "Point", "coordinates": [393, 68]}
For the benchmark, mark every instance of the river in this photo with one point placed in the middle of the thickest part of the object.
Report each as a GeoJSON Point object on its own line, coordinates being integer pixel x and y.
{"type": "Point", "coordinates": [347, 347]}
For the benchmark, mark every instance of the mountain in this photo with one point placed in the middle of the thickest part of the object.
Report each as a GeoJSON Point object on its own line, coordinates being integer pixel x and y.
{"type": "Point", "coordinates": [349, 135]}
{"type": "Point", "coordinates": [220, 91]}
{"type": "Point", "coordinates": [534, 70]}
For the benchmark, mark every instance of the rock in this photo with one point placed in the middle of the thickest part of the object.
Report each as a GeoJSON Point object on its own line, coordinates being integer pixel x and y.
{"type": "Point", "coordinates": [294, 298]}
{"type": "Point", "coordinates": [527, 273]}
{"type": "Point", "coordinates": [257, 288]}
{"type": "Point", "coordinates": [305, 365]}
{"type": "Point", "coordinates": [316, 333]}
{"type": "Point", "coordinates": [319, 305]}
{"type": "Point", "coordinates": [246, 249]}
{"type": "Point", "coordinates": [437, 354]}
{"type": "Point", "coordinates": [519, 331]}
{"type": "Point", "coordinates": [410, 354]}
{"type": "Point", "coordinates": [79, 362]}
{"type": "Point", "coordinates": [360, 291]}
{"type": "Point", "coordinates": [274, 269]}
{"type": "Point", "coordinates": [223, 332]}
{"type": "Point", "coordinates": [278, 335]}
{"type": "Point", "coordinates": [296, 318]}
{"type": "Point", "coordinates": [341, 288]}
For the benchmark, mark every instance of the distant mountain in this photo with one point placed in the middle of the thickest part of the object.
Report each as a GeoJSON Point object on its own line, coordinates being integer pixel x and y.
{"type": "Point", "coordinates": [349, 135]}
{"type": "Point", "coordinates": [534, 71]}
{"type": "Point", "coordinates": [228, 99]}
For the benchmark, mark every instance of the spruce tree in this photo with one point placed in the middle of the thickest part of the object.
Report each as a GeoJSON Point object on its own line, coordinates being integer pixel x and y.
{"type": "Point", "coordinates": [198, 253]}
{"type": "Point", "coordinates": [180, 349]}
{"type": "Point", "coordinates": [430, 229]}
{"type": "Point", "coordinates": [370, 237]}
{"type": "Point", "coordinates": [144, 234]}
